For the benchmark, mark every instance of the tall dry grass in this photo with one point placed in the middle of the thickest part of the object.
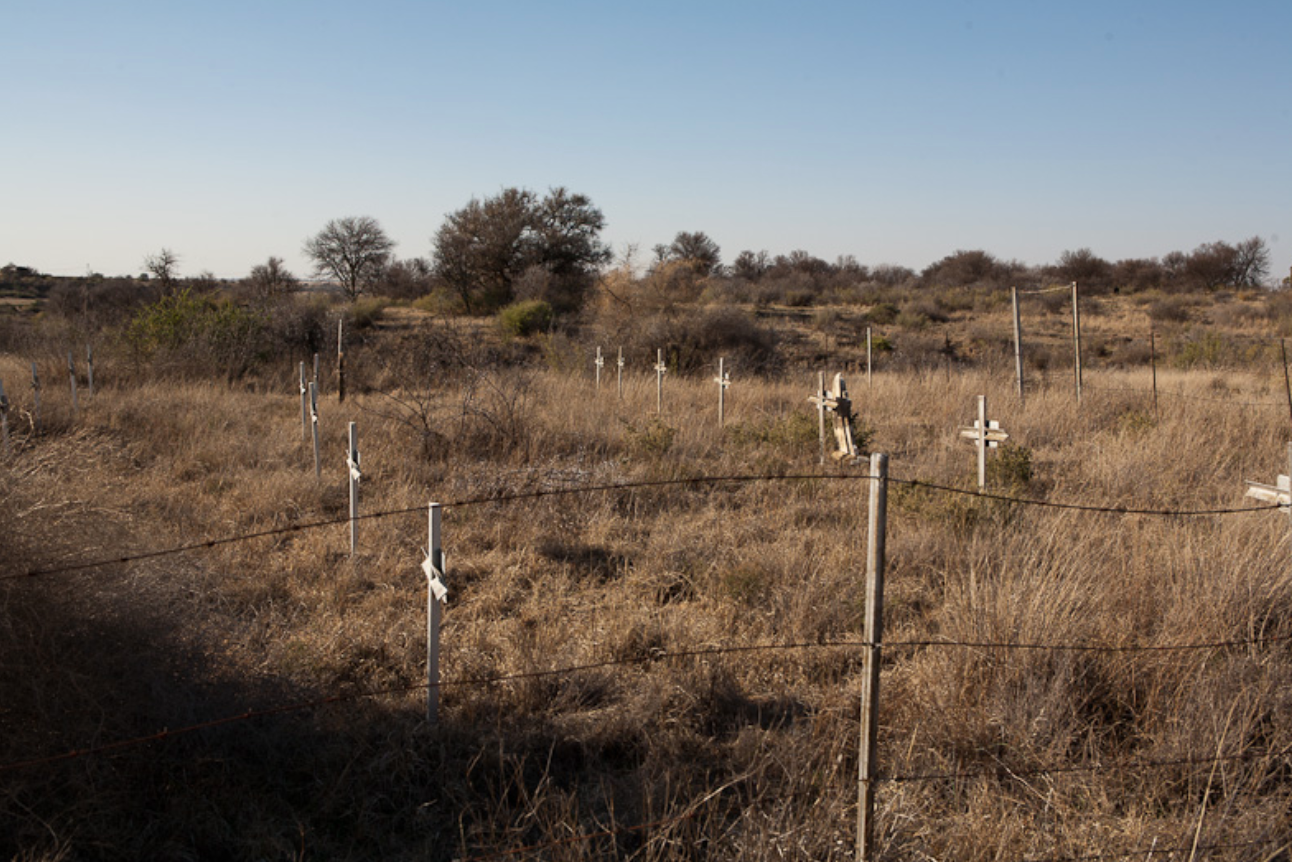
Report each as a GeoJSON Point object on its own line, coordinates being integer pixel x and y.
{"type": "Point", "coordinates": [713, 755]}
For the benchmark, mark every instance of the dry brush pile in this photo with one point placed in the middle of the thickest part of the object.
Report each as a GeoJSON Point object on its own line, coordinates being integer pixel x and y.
{"type": "Point", "coordinates": [716, 716]}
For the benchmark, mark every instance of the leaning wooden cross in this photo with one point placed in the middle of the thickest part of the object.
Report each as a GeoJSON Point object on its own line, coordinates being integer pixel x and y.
{"type": "Point", "coordinates": [1280, 493]}
{"type": "Point", "coordinates": [985, 435]}
{"type": "Point", "coordinates": [835, 400]}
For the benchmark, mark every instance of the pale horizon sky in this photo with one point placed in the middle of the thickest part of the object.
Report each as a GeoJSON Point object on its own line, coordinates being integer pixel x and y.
{"type": "Point", "coordinates": [895, 132]}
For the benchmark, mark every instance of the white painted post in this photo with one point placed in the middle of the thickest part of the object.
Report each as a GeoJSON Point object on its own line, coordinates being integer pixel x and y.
{"type": "Point", "coordinates": [352, 463]}
{"type": "Point", "coordinates": [876, 533]}
{"type": "Point", "coordinates": [434, 566]}
{"type": "Point", "coordinates": [660, 368]}
{"type": "Point", "coordinates": [723, 380]}
{"type": "Point", "coordinates": [1018, 344]}
{"type": "Point", "coordinates": [35, 396]}
{"type": "Point", "coordinates": [869, 365]}
{"type": "Point", "coordinates": [1076, 341]}
{"type": "Point", "coordinates": [89, 369]}
{"type": "Point", "coordinates": [599, 363]}
{"type": "Point", "coordinates": [314, 427]}
{"type": "Point", "coordinates": [621, 374]}
{"type": "Point", "coordinates": [71, 375]}
{"type": "Point", "coordinates": [305, 405]}
{"type": "Point", "coordinates": [4, 418]}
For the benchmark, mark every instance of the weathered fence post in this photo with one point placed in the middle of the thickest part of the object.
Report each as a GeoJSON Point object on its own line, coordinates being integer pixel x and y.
{"type": "Point", "coordinates": [1076, 341]}
{"type": "Point", "coordinates": [71, 376]}
{"type": "Point", "coordinates": [869, 360]}
{"type": "Point", "coordinates": [89, 370]}
{"type": "Point", "coordinates": [314, 427]}
{"type": "Point", "coordinates": [1287, 383]}
{"type": "Point", "coordinates": [877, 529]}
{"type": "Point", "coordinates": [436, 595]}
{"type": "Point", "coordinates": [822, 395]}
{"type": "Point", "coordinates": [1152, 358]}
{"type": "Point", "coordinates": [340, 360]}
{"type": "Point", "coordinates": [35, 397]}
{"type": "Point", "coordinates": [660, 368]}
{"type": "Point", "coordinates": [305, 405]}
{"type": "Point", "coordinates": [4, 418]}
{"type": "Point", "coordinates": [352, 463]}
{"type": "Point", "coordinates": [316, 374]}
{"type": "Point", "coordinates": [723, 380]}
{"type": "Point", "coordinates": [1018, 344]}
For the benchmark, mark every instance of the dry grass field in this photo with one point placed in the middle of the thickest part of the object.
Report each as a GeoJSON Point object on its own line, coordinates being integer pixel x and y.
{"type": "Point", "coordinates": [669, 671]}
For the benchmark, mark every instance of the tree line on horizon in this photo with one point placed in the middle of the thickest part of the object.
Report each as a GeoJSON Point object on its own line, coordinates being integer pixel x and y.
{"type": "Point", "coordinates": [520, 246]}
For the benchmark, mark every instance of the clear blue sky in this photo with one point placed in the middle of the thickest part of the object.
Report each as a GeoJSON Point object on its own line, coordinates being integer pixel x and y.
{"type": "Point", "coordinates": [898, 132]}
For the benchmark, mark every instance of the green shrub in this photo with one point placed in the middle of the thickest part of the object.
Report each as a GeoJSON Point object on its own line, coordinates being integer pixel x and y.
{"type": "Point", "coordinates": [526, 317]}
{"type": "Point", "coordinates": [188, 332]}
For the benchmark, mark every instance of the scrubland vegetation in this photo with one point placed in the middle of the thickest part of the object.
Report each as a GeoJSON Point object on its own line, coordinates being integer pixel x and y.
{"type": "Point", "coordinates": [714, 626]}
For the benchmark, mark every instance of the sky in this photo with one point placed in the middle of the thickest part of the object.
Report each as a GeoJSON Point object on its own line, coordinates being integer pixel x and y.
{"type": "Point", "coordinates": [897, 132]}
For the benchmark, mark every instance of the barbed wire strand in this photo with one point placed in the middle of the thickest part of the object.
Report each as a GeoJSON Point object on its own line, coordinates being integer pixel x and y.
{"type": "Point", "coordinates": [647, 658]}
{"type": "Point", "coordinates": [621, 486]}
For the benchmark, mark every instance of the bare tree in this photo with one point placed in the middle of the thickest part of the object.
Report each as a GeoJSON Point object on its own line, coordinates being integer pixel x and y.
{"type": "Point", "coordinates": [163, 266]}
{"type": "Point", "coordinates": [353, 250]}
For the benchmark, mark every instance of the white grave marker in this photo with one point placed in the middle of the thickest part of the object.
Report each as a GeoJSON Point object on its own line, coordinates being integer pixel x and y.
{"type": "Point", "coordinates": [599, 363]}
{"type": "Point", "coordinates": [352, 462]}
{"type": "Point", "coordinates": [985, 435]}
{"type": "Point", "coordinates": [660, 370]}
{"type": "Point", "coordinates": [835, 400]}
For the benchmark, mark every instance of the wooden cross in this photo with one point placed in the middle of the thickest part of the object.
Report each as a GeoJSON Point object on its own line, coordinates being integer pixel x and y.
{"type": "Point", "coordinates": [986, 435]}
{"type": "Point", "coordinates": [600, 362]}
{"type": "Point", "coordinates": [314, 427]}
{"type": "Point", "coordinates": [723, 380]}
{"type": "Point", "coordinates": [836, 401]}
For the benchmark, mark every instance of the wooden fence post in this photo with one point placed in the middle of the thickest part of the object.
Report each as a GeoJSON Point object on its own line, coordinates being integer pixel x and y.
{"type": "Point", "coordinates": [340, 360]}
{"type": "Point", "coordinates": [35, 397]}
{"type": "Point", "coordinates": [71, 376]}
{"type": "Point", "coordinates": [1018, 344]}
{"type": "Point", "coordinates": [316, 374]}
{"type": "Point", "coordinates": [1076, 341]}
{"type": "Point", "coordinates": [1287, 384]}
{"type": "Point", "coordinates": [352, 463]}
{"type": "Point", "coordinates": [4, 418]}
{"type": "Point", "coordinates": [305, 406]}
{"type": "Point", "coordinates": [1152, 358]}
{"type": "Point", "coordinates": [621, 374]}
{"type": "Point", "coordinates": [876, 533]}
{"type": "Point", "coordinates": [869, 361]}
{"type": "Point", "coordinates": [314, 427]}
{"type": "Point", "coordinates": [89, 370]}
{"type": "Point", "coordinates": [660, 368]}
{"type": "Point", "coordinates": [436, 595]}
{"type": "Point", "coordinates": [822, 395]}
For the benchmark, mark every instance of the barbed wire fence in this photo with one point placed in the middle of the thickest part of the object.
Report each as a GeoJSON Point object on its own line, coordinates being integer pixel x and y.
{"type": "Point", "coordinates": [339, 699]}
